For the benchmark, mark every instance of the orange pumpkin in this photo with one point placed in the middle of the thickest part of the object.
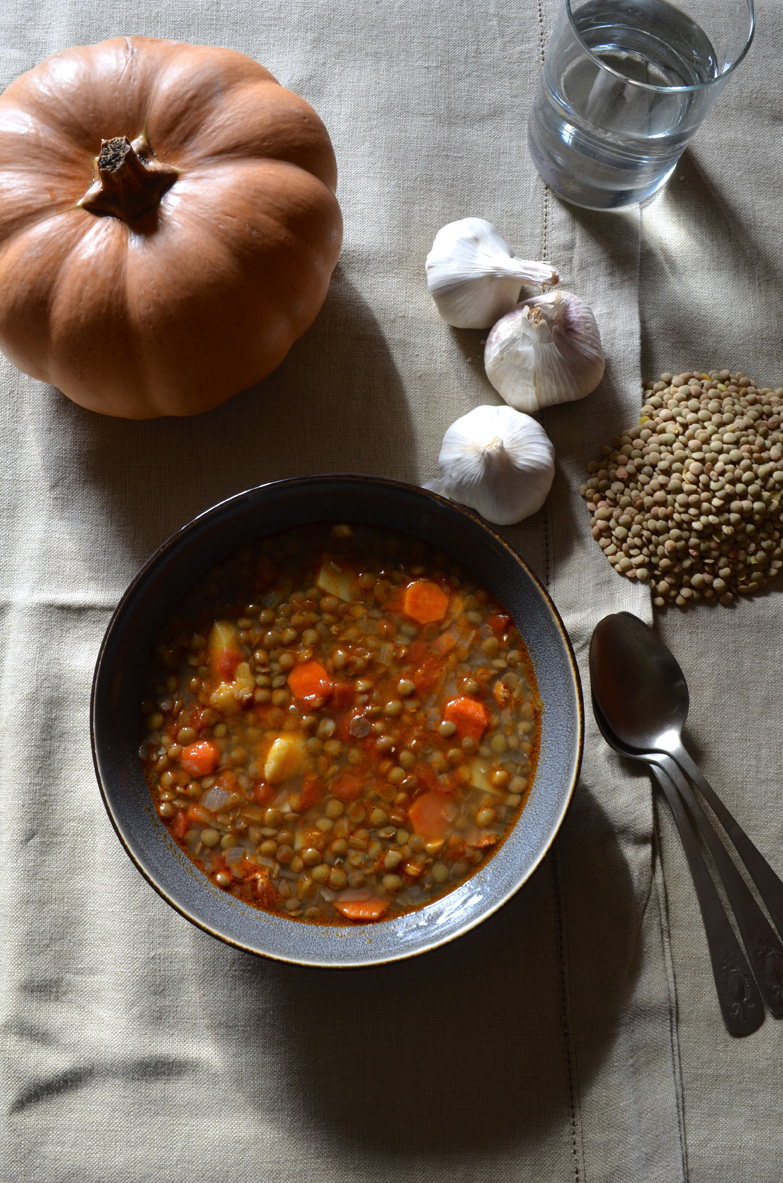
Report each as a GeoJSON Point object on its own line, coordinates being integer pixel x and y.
{"type": "Point", "coordinates": [168, 224]}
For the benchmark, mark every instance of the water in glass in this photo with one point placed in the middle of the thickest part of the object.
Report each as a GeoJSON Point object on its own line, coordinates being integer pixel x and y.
{"type": "Point", "coordinates": [599, 138]}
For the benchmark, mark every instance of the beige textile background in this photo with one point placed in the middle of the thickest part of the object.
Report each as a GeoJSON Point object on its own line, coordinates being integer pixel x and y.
{"type": "Point", "coordinates": [575, 1036]}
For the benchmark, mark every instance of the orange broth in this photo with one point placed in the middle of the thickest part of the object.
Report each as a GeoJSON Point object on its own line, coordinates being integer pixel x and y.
{"type": "Point", "coordinates": [340, 725]}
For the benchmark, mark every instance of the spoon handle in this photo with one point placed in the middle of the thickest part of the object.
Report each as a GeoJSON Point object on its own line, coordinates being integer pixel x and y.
{"type": "Point", "coordinates": [768, 883]}
{"type": "Point", "coordinates": [738, 994]}
{"type": "Point", "coordinates": [764, 949]}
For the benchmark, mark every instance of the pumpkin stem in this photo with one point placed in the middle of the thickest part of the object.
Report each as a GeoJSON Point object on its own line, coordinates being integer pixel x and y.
{"type": "Point", "coordinates": [130, 180]}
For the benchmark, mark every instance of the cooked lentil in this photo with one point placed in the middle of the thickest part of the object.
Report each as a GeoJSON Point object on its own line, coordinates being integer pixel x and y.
{"type": "Point", "coordinates": [386, 765]}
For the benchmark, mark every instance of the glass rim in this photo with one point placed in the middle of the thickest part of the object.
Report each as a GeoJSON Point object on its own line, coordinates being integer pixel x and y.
{"type": "Point", "coordinates": [697, 86]}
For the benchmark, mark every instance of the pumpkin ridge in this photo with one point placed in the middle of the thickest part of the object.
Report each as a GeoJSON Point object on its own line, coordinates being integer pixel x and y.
{"type": "Point", "coordinates": [277, 223]}
{"type": "Point", "coordinates": [19, 285]}
{"type": "Point", "coordinates": [230, 68]}
{"type": "Point", "coordinates": [124, 367]}
{"type": "Point", "coordinates": [238, 127]}
{"type": "Point", "coordinates": [38, 93]}
{"type": "Point", "coordinates": [9, 231]}
{"type": "Point", "coordinates": [36, 112]}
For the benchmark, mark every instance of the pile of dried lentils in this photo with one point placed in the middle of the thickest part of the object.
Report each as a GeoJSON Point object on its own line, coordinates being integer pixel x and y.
{"type": "Point", "coordinates": [689, 500]}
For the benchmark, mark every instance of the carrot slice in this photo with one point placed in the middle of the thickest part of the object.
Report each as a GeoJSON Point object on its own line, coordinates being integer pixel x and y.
{"type": "Point", "coordinates": [200, 758]}
{"type": "Point", "coordinates": [310, 682]}
{"type": "Point", "coordinates": [470, 716]}
{"type": "Point", "coordinates": [424, 601]}
{"type": "Point", "coordinates": [365, 908]}
{"type": "Point", "coordinates": [432, 814]}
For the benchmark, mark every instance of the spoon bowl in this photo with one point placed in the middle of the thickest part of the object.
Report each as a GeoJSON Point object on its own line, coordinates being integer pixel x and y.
{"type": "Point", "coordinates": [638, 684]}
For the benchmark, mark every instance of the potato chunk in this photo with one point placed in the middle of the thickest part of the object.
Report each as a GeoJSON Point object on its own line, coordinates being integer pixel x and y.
{"type": "Point", "coordinates": [479, 770]}
{"type": "Point", "coordinates": [285, 757]}
{"type": "Point", "coordinates": [336, 579]}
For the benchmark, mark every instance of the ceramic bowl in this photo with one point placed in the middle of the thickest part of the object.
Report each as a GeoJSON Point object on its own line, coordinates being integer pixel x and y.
{"type": "Point", "coordinates": [153, 595]}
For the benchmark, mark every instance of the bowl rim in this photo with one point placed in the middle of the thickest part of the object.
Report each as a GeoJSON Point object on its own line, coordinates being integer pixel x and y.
{"type": "Point", "coordinates": [168, 547]}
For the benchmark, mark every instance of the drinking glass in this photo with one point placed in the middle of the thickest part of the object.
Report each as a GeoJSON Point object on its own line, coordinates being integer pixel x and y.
{"type": "Point", "coordinates": [625, 85]}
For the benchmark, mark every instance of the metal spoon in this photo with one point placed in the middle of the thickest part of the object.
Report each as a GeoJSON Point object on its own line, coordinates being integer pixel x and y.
{"type": "Point", "coordinates": [642, 693]}
{"type": "Point", "coordinates": [738, 995]}
{"type": "Point", "coordinates": [761, 941]}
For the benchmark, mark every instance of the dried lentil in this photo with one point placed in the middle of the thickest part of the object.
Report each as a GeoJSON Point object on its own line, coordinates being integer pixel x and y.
{"type": "Point", "coordinates": [688, 500]}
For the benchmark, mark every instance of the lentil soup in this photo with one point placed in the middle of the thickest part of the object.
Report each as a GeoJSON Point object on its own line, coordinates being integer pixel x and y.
{"type": "Point", "coordinates": [339, 725]}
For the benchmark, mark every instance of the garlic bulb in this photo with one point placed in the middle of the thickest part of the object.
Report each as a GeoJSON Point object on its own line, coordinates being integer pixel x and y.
{"type": "Point", "coordinates": [498, 461]}
{"type": "Point", "coordinates": [548, 350]}
{"type": "Point", "coordinates": [474, 277]}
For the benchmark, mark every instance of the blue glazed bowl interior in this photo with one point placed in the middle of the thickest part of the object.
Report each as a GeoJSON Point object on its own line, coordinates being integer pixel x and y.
{"type": "Point", "coordinates": [152, 597]}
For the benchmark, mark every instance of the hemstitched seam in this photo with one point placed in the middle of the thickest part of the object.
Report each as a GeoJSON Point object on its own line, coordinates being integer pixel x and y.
{"type": "Point", "coordinates": [540, 14]}
{"type": "Point", "coordinates": [543, 254]}
{"type": "Point", "coordinates": [560, 943]}
{"type": "Point", "coordinates": [545, 200]}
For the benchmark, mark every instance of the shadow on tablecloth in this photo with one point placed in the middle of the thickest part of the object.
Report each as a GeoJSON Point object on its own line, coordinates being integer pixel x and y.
{"type": "Point", "coordinates": [467, 1050]}
{"type": "Point", "coordinates": [336, 404]}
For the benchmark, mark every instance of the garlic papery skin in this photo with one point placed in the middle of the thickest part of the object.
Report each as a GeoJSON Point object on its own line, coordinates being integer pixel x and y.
{"type": "Point", "coordinates": [548, 350]}
{"type": "Point", "coordinates": [498, 461]}
{"type": "Point", "coordinates": [474, 277]}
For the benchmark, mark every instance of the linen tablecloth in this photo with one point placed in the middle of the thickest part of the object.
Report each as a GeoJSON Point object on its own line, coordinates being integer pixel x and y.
{"type": "Point", "coordinates": [575, 1035]}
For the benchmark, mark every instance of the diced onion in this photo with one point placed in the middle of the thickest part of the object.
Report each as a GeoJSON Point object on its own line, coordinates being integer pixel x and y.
{"type": "Point", "coordinates": [215, 799]}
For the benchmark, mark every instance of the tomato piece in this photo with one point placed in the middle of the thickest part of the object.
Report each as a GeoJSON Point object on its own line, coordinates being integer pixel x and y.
{"type": "Point", "coordinates": [499, 622]}
{"type": "Point", "coordinates": [427, 776]}
{"type": "Point", "coordinates": [263, 793]}
{"type": "Point", "coordinates": [312, 790]}
{"type": "Point", "coordinates": [426, 677]}
{"type": "Point", "coordinates": [444, 642]}
{"type": "Point", "coordinates": [180, 825]}
{"type": "Point", "coordinates": [346, 786]}
{"type": "Point", "coordinates": [342, 696]}
{"type": "Point", "coordinates": [227, 780]}
{"type": "Point", "coordinates": [226, 663]}
{"type": "Point", "coordinates": [196, 718]}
